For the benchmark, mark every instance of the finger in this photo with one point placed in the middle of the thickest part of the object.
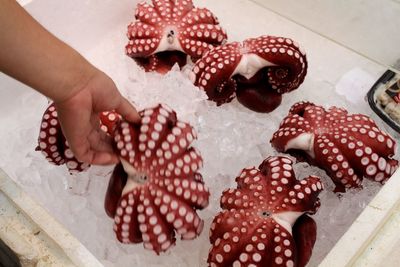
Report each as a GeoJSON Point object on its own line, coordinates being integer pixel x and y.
{"type": "Point", "coordinates": [128, 111]}
{"type": "Point", "coordinates": [99, 141]}
{"type": "Point", "coordinates": [81, 150]}
{"type": "Point", "coordinates": [104, 158]}
{"type": "Point", "coordinates": [85, 156]}
{"type": "Point", "coordinates": [76, 132]}
{"type": "Point", "coordinates": [107, 141]}
{"type": "Point", "coordinates": [99, 151]}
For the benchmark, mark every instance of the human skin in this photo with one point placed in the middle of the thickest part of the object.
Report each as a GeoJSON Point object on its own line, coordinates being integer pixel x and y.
{"type": "Point", "coordinates": [80, 91]}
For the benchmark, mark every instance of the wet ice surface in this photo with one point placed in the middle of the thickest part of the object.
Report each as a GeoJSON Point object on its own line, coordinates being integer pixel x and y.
{"type": "Point", "coordinates": [230, 138]}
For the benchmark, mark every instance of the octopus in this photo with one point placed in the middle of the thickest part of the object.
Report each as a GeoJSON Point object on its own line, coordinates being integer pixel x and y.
{"type": "Point", "coordinates": [153, 194]}
{"type": "Point", "coordinates": [155, 191]}
{"type": "Point", "coordinates": [258, 72]}
{"type": "Point", "coordinates": [265, 220]}
{"type": "Point", "coordinates": [347, 146]}
{"type": "Point", "coordinates": [166, 32]}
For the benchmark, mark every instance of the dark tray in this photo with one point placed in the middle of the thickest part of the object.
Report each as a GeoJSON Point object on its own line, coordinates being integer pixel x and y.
{"type": "Point", "coordinates": [384, 79]}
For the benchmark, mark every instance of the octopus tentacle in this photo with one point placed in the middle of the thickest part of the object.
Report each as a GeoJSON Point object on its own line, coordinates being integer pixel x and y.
{"type": "Point", "coordinates": [366, 131]}
{"type": "Point", "coordinates": [114, 190]}
{"type": "Point", "coordinates": [200, 16]}
{"type": "Point", "coordinates": [362, 157]}
{"type": "Point", "coordinates": [291, 135]}
{"type": "Point", "coordinates": [252, 246]}
{"type": "Point", "coordinates": [214, 71]}
{"type": "Point", "coordinates": [238, 199]}
{"type": "Point", "coordinates": [186, 164]}
{"type": "Point", "coordinates": [226, 221]}
{"type": "Point", "coordinates": [108, 121]}
{"type": "Point", "coordinates": [54, 146]}
{"type": "Point", "coordinates": [178, 142]}
{"type": "Point", "coordinates": [299, 107]}
{"type": "Point", "coordinates": [183, 218]}
{"type": "Point", "coordinates": [182, 7]}
{"type": "Point", "coordinates": [197, 39]}
{"type": "Point", "coordinates": [193, 192]}
{"type": "Point", "coordinates": [328, 153]}
{"type": "Point", "coordinates": [144, 13]}
{"type": "Point", "coordinates": [152, 226]}
{"type": "Point", "coordinates": [188, 190]}
{"type": "Point", "coordinates": [153, 135]}
{"type": "Point", "coordinates": [169, 9]}
{"type": "Point", "coordinates": [294, 121]}
{"type": "Point", "coordinates": [163, 8]}
{"type": "Point", "coordinates": [336, 114]}
{"type": "Point", "coordinates": [250, 178]}
{"type": "Point", "coordinates": [305, 235]}
{"type": "Point", "coordinates": [51, 140]}
{"type": "Point", "coordinates": [290, 61]}
{"type": "Point", "coordinates": [126, 225]}
{"type": "Point", "coordinates": [143, 41]}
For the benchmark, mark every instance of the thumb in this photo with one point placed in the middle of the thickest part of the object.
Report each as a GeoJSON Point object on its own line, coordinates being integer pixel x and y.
{"type": "Point", "coordinates": [128, 111]}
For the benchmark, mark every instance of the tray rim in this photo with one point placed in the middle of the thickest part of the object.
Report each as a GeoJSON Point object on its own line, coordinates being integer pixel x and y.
{"type": "Point", "coordinates": [353, 247]}
{"type": "Point", "coordinates": [57, 240]}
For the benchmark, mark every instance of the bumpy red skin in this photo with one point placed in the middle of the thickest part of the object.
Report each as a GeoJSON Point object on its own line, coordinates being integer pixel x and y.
{"type": "Point", "coordinates": [215, 72]}
{"type": "Point", "coordinates": [254, 227]}
{"type": "Point", "coordinates": [109, 120]}
{"type": "Point", "coordinates": [162, 198]}
{"type": "Point", "coordinates": [194, 31]}
{"type": "Point", "coordinates": [347, 146]}
{"type": "Point", "coordinates": [54, 146]}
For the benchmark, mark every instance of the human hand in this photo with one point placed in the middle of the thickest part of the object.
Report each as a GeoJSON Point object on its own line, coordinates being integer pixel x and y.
{"type": "Point", "coordinates": [79, 90]}
{"type": "Point", "coordinates": [80, 122]}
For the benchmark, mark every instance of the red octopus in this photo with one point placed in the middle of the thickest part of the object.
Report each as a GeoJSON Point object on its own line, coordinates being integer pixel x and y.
{"type": "Point", "coordinates": [168, 31]}
{"type": "Point", "coordinates": [264, 221]}
{"type": "Point", "coordinates": [258, 71]}
{"type": "Point", "coordinates": [156, 189]}
{"type": "Point", "coordinates": [347, 146]}
{"type": "Point", "coordinates": [54, 146]}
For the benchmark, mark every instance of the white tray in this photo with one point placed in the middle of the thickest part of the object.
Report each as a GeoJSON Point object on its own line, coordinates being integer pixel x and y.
{"type": "Point", "coordinates": [372, 239]}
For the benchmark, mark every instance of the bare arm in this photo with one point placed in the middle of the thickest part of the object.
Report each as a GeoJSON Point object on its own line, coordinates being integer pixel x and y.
{"type": "Point", "coordinates": [32, 55]}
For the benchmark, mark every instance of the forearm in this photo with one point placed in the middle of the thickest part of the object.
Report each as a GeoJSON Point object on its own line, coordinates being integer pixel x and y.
{"type": "Point", "coordinates": [32, 55]}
